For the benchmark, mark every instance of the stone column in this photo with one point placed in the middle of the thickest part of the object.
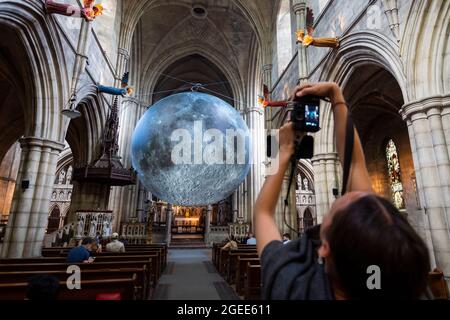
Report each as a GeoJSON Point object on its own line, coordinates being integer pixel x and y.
{"type": "Point", "coordinates": [209, 210]}
{"type": "Point", "coordinates": [169, 216]}
{"type": "Point", "coordinates": [299, 8]}
{"type": "Point", "coordinates": [427, 121]}
{"type": "Point", "coordinates": [254, 182]}
{"type": "Point", "coordinates": [29, 215]}
{"type": "Point", "coordinates": [243, 188]}
{"type": "Point", "coordinates": [141, 200]}
{"type": "Point", "coordinates": [327, 173]}
{"type": "Point", "coordinates": [125, 201]}
{"type": "Point", "coordinates": [234, 206]}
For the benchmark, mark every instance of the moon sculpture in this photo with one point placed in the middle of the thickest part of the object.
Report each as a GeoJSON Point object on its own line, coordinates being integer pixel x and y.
{"type": "Point", "coordinates": [191, 149]}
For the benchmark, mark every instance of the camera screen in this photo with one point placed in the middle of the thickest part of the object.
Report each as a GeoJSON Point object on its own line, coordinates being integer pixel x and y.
{"type": "Point", "coordinates": [312, 115]}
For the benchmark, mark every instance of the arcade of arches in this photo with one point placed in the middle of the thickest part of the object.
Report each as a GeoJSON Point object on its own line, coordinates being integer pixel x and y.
{"type": "Point", "coordinates": [396, 78]}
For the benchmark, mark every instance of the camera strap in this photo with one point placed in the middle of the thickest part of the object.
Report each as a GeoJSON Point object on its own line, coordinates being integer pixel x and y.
{"type": "Point", "coordinates": [348, 153]}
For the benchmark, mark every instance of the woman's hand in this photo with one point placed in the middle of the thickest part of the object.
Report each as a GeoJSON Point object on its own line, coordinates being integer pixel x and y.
{"type": "Point", "coordinates": [322, 89]}
{"type": "Point", "coordinates": [359, 179]}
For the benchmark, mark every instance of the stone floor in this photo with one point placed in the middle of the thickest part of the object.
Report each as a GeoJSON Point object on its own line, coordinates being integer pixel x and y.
{"type": "Point", "coordinates": [190, 275]}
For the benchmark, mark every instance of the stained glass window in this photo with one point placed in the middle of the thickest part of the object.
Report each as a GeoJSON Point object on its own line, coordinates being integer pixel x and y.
{"type": "Point", "coordinates": [395, 176]}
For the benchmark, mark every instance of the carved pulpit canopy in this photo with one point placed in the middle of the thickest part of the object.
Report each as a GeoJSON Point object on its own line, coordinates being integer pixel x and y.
{"type": "Point", "coordinates": [108, 169]}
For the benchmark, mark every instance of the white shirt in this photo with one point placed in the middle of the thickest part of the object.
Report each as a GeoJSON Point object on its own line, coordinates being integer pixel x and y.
{"type": "Point", "coordinates": [115, 246]}
{"type": "Point", "coordinates": [251, 241]}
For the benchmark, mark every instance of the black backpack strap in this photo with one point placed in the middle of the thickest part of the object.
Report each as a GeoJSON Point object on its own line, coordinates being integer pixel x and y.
{"type": "Point", "coordinates": [349, 145]}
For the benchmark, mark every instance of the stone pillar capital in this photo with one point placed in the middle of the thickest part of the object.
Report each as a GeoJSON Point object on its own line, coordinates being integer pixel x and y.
{"type": "Point", "coordinates": [332, 156]}
{"type": "Point", "coordinates": [267, 67]}
{"type": "Point", "coordinates": [298, 6]}
{"type": "Point", "coordinates": [42, 143]}
{"type": "Point", "coordinates": [425, 106]}
{"type": "Point", "coordinates": [124, 53]}
{"type": "Point", "coordinates": [260, 111]}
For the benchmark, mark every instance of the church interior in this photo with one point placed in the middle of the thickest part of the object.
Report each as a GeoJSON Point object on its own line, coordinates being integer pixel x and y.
{"type": "Point", "coordinates": [77, 76]}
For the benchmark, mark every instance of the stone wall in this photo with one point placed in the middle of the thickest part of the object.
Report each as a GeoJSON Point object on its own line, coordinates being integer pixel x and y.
{"type": "Point", "coordinates": [419, 62]}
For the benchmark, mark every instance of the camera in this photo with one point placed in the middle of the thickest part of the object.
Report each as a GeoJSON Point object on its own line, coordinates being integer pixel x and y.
{"type": "Point", "coordinates": [306, 114]}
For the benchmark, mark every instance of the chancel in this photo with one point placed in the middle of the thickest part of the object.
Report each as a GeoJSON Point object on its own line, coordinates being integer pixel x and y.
{"type": "Point", "coordinates": [91, 92]}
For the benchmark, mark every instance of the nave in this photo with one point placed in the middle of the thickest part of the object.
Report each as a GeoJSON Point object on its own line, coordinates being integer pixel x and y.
{"type": "Point", "coordinates": [190, 275]}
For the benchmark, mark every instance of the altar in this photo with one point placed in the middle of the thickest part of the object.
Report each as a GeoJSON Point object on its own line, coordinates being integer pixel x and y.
{"type": "Point", "coordinates": [188, 221]}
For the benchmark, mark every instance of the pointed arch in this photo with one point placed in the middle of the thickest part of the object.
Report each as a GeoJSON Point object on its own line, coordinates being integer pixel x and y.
{"type": "Point", "coordinates": [168, 58]}
{"type": "Point", "coordinates": [45, 56]}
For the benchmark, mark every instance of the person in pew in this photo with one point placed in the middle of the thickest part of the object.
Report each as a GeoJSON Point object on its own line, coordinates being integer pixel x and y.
{"type": "Point", "coordinates": [115, 245]}
{"type": "Point", "coordinates": [82, 253]}
{"type": "Point", "coordinates": [96, 248]}
{"type": "Point", "coordinates": [231, 244]}
{"type": "Point", "coordinates": [286, 238]}
{"type": "Point", "coordinates": [98, 238]}
{"type": "Point", "coordinates": [251, 240]}
{"type": "Point", "coordinates": [364, 249]}
{"type": "Point", "coordinates": [42, 288]}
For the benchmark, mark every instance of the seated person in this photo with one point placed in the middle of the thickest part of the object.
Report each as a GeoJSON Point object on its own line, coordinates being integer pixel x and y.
{"type": "Point", "coordinates": [361, 232]}
{"type": "Point", "coordinates": [82, 253]}
{"type": "Point", "coordinates": [251, 239]}
{"type": "Point", "coordinates": [42, 288]}
{"type": "Point", "coordinates": [96, 248]}
{"type": "Point", "coordinates": [115, 245]}
{"type": "Point", "coordinates": [286, 238]}
{"type": "Point", "coordinates": [231, 244]}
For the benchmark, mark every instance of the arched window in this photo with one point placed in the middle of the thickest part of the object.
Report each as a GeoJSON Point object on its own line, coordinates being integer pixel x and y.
{"type": "Point", "coordinates": [284, 35]}
{"type": "Point", "coordinates": [54, 220]}
{"type": "Point", "coordinates": [308, 220]}
{"type": "Point", "coordinates": [395, 176]}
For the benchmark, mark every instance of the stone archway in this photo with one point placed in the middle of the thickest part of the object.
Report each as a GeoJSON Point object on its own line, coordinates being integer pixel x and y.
{"type": "Point", "coordinates": [374, 52]}
{"type": "Point", "coordinates": [308, 219]}
{"type": "Point", "coordinates": [54, 220]}
{"type": "Point", "coordinates": [84, 137]}
{"type": "Point", "coordinates": [33, 42]}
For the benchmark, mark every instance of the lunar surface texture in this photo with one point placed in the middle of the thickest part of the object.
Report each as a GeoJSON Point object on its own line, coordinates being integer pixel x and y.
{"type": "Point", "coordinates": [191, 149]}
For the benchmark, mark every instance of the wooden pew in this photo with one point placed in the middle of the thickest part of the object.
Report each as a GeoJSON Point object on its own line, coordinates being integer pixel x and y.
{"type": "Point", "coordinates": [127, 288]}
{"type": "Point", "coordinates": [216, 252]}
{"type": "Point", "coordinates": [233, 261]}
{"type": "Point", "coordinates": [50, 267]}
{"type": "Point", "coordinates": [241, 272]}
{"type": "Point", "coordinates": [225, 256]}
{"type": "Point", "coordinates": [162, 249]}
{"type": "Point", "coordinates": [142, 285]}
{"type": "Point", "coordinates": [154, 265]}
{"type": "Point", "coordinates": [253, 282]}
{"type": "Point", "coordinates": [437, 285]}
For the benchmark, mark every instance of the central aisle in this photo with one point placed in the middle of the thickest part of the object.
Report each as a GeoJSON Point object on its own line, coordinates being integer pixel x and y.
{"type": "Point", "coordinates": [190, 275]}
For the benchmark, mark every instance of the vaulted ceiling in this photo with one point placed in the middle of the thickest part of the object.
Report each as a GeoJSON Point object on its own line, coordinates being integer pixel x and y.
{"type": "Point", "coordinates": [204, 41]}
